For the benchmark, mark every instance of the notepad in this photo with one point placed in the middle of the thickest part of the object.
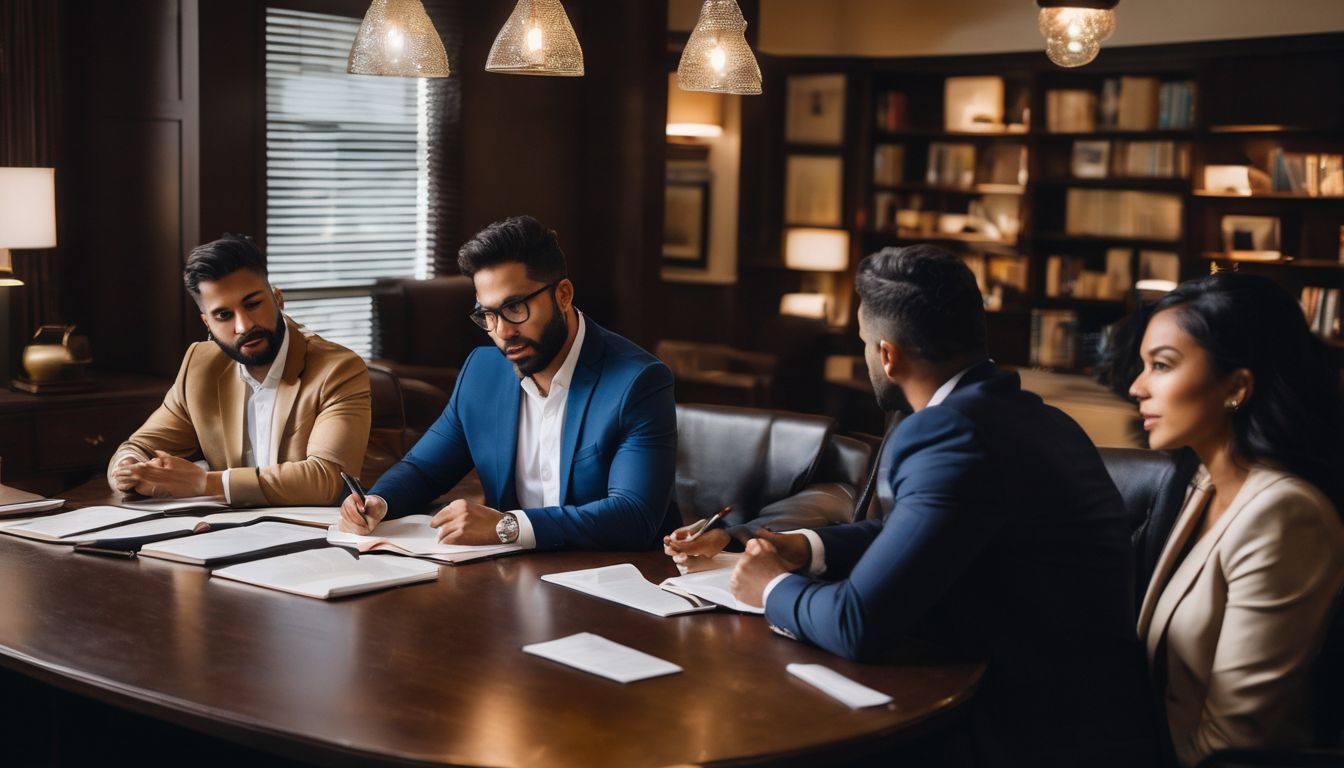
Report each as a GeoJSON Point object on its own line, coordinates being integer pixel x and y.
{"type": "Point", "coordinates": [712, 585]}
{"type": "Point", "coordinates": [412, 536]}
{"type": "Point", "coordinates": [55, 527]}
{"type": "Point", "coordinates": [329, 572]}
{"type": "Point", "coordinates": [623, 583]}
{"type": "Point", "coordinates": [124, 540]}
{"type": "Point", "coordinates": [247, 542]}
{"type": "Point", "coordinates": [24, 508]}
{"type": "Point", "coordinates": [838, 687]}
{"type": "Point", "coordinates": [599, 656]}
{"type": "Point", "coordinates": [176, 505]}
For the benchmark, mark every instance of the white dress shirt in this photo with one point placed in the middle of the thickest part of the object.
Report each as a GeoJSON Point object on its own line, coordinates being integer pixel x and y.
{"type": "Point", "coordinates": [818, 565]}
{"type": "Point", "coordinates": [541, 419]}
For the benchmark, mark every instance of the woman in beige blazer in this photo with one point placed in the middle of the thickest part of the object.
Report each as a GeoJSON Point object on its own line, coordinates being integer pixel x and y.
{"type": "Point", "coordinates": [1245, 586]}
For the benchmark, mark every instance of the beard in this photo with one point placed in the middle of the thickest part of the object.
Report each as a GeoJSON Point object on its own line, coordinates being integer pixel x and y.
{"type": "Point", "coordinates": [544, 350]}
{"type": "Point", "coordinates": [889, 396]}
{"type": "Point", "coordinates": [265, 357]}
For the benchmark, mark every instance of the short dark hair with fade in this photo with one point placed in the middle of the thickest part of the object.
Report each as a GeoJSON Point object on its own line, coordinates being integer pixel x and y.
{"type": "Point", "coordinates": [219, 259]}
{"type": "Point", "coordinates": [520, 239]}
{"type": "Point", "coordinates": [925, 300]}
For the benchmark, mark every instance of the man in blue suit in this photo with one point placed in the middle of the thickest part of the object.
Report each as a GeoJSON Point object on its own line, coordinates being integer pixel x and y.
{"type": "Point", "coordinates": [1005, 540]}
{"type": "Point", "coordinates": [572, 429]}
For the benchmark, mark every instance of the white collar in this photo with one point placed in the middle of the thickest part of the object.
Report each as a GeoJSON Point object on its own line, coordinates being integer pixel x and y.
{"type": "Point", "coordinates": [565, 375]}
{"type": "Point", "coordinates": [940, 394]}
{"type": "Point", "coordinates": [277, 370]}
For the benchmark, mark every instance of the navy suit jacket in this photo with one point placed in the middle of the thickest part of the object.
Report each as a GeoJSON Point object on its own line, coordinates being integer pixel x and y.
{"type": "Point", "coordinates": [1007, 542]}
{"type": "Point", "coordinates": [618, 446]}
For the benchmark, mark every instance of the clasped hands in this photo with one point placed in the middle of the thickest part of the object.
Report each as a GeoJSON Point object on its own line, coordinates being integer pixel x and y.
{"type": "Point", "coordinates": [163, 475]}
{"type": "Point", "coordinates": [461, 522]}
{"type": "Point", "coordinates": [768, 555]}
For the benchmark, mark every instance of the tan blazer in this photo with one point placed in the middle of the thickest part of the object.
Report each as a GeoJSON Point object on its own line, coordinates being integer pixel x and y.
{"type": "Point", "coordinates": [321, 426]}
{"type": "Point", "coordinates": [1244, 614]}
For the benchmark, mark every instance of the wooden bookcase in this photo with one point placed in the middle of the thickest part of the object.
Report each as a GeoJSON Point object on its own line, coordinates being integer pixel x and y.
{"type": "Point", "coordinates": [1223, 103]}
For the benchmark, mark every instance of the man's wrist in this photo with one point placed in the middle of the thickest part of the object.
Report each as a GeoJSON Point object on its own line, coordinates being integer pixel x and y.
{"type": "Point", "coordinates": [507, 528]}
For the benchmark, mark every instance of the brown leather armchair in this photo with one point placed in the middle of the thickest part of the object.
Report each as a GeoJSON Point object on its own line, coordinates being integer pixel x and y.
{"type": "Point", "coordinates": [778, 469]}
{"type": "Point", "coordinates": [421, 330]}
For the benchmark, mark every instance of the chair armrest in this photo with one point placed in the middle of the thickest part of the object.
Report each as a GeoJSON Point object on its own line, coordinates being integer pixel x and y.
{"type": "Point", "coordinates": [423, 403]}
{"type": "Point", "coordinates": [816, 506]}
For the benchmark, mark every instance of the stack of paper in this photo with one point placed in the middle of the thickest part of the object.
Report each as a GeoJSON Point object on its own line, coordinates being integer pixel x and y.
{"type": "Point", "coordinates": [55, 527]}
{"type": "Point", "coordinates": [411, 535]}
{"type": "Point", "coordinates": [15, 503]}
{"type": "Point", "coordinates": [251, 541]}
{"type": "Point", "coordinates": [599, 656]}
{"type": "Point", "coordinates": [329, 572]}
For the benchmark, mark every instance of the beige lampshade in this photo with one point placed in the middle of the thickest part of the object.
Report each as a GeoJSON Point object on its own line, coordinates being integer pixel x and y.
{"type": "Point", "coordinates": [716, 57]}
{"type": "Point", "coordinates": [813, 305]}
{"type": "Point", "coordinates": [816, 250]}
{"type": "Point", "coordinates": [537, 40]}
{"type": "Point", "coordinates": [398, 39]}
{"type": "Point", "coordinates": [693, 113]}
{"type": "Point", "coordinates": [27, 214]}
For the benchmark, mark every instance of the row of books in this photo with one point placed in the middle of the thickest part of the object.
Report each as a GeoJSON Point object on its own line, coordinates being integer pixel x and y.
{"type": "Point", "coordinates": [1123, 213]}
{"type": "Point", "coordinates": [888, 164]}
{"type": "Point", "coordinates": [955, 164]}
{"type": "Point", "coordinates": [1322, 307]}
{"type": "Point", "coordinates": [1123, 104]}
{"type": "Point", "coordinates": [889, 111]}
{"type": "Point", "coordinates": [1099, 159]}
{"type": "Point", "coordinates": [1316, 175]}
{"type": "Point", "coordinates": [988, 217]}
{"type": "Point", "coordinates": [1070, 277]}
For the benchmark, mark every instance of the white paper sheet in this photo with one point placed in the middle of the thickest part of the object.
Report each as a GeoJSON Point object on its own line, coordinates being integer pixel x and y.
{"type": "Point", "coordinates": [624, 584]}
{"type": "Point", "coordinates": [838, 687]}
{"type": "Point", "coordinates": [599, 656]}
{"type": "Point", "coordinates": [329, 572]}
{"type": "Point", "coordinates": [231, 542]}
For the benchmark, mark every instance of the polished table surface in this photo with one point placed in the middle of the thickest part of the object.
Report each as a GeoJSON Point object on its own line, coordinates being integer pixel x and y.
{"type": "Point", "coordinates": [434, 673]}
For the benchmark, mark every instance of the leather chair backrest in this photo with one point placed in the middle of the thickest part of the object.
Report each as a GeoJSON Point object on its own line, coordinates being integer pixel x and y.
{"type": "Point", "coordinates": [410, 318]}
{"type": "Point", "coordinates": [745, 457]}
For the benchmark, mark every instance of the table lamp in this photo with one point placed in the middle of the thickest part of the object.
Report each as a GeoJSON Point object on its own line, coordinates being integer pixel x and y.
{"type": "Point", "coordinates": [823, 252]}
{"type": "Point", "coordinates": [27, 220]}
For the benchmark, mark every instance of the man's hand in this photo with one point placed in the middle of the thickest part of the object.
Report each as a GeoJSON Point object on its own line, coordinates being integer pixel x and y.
{"type": "Point", "coordinates": [121, 478]}
{"type": "Point", "coordinates": [374, 508]}
{"type": "Point", "coordinates": [163, 475]}
{"type": "Point", "coordinates": [767, 556]}
{"type": "Point", "coordinates": [463, 522]}
{"type": "Point", "coordinates": [707, 545]}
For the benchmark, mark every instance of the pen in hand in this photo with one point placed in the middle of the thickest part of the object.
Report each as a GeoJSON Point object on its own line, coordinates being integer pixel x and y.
{"type": "Point", "coordinates": [704, 525]}
{"type": "Point", "coordinates": [358, 492]}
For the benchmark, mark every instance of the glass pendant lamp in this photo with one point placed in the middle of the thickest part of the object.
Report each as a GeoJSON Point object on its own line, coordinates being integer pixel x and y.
{"type": "Point", "coordinates": [537, 40]}
{"type": "Point", "coordinates": [1075, 29]}
{"type": "Point", "coordinates": [717, 57]}
{"type": "Point", "coordinates": [397, 39]}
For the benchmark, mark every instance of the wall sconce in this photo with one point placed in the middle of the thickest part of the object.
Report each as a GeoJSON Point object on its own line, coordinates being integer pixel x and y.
{"type": "Point", "coordinates": [716, 57]}
{"type": "Point", "coordinates": [693, 113]}
{"type": "Point", "coordinates": [27, 220]}
{"type": "Point", "coordinates": [1075, 29]}
{"type": "Point", "coordinates": [397, 39]}
{"type": "Point", "coordinates": [536, 40]}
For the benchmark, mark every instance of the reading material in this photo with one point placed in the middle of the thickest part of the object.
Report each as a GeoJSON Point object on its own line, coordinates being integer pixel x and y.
{"type": "Point", "coordinates": [56, 527]}
{"type": "Point", "coordinates": [689, 593]}
{"type": "Point", "coordinates": [329, 572]}
{"type": "Point", "coordinates": [599, 656]}
{"type": "Point", "coordinates": [250, 541]}
{"type": "Point", "coordinates": [176, 505]}
{"type": "Point", "coordinates": [411, 535]}
{"type": "Point", "coordinates": [25, 508]}
{"type": "Point", "coordinates": [838, 687]}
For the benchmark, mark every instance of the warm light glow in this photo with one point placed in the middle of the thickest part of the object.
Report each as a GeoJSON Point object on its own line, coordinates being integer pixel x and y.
{"type": "Point", "coordinates": [27, 208]}
{"type": "Point", "coordinates": [697, 130]}
{"type": "Point", "coordinates": [534, 39]}
{"type": "Point", "coordinates": [718, 59]}
{"type": "Point", "coordinates": [816, 250]}
{"type": "Point", "coordinates": [813, 305]}
{"type": "Point", "coordinates": [1155, 284]}
{"type": "Point", "coordinates": [693, 113]}
{"type": "Point", "coordinates": [397, 39]}
{"type": "Point", "coordinates": [1073, 36]}
{"type": "Point", "coordinates": [396, 43]}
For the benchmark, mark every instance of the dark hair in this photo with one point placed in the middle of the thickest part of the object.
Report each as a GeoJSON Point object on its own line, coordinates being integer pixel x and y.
{"type": "Point", "coordinates": [1291, 418]}
{"type": "Point", "coordinates": [221, 258]}
{"type": "Point", "coordinates": [520, 239]}
{"type": "Point", "coordinates": [928, 300]}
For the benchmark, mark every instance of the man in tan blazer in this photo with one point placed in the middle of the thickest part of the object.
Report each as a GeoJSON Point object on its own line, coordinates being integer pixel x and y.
{"type": "Point", "coordinates": [267, 414]}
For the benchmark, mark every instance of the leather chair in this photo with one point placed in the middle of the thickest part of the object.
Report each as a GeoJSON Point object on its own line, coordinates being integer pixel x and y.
{"type": "Point", "coordinates": [421, 330]}
{"type": "Point", "coordinates": [402, 410]}
{"type": "Point", "coordinates": [777, 469]}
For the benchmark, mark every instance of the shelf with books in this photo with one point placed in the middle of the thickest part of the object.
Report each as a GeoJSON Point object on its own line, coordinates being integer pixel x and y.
{"type": "Point", "coordinates": [1281, 261]}
{"type": "Point", "coordinates": [1115, 133]}
{"type": "Point", "coordinates": [973, 189]}
{"type": "Point", "coordinates": [1266, 196]}
{"type": "Point", "coordinates": [1270, 129]}
{"type": "Point", "coordinates": [1137, 242]}
{"type": "Point", "coordinates": [1119, 182]}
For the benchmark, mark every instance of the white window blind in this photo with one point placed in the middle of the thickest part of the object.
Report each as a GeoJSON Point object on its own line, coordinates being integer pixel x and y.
{"type": "Point", "coordinates": [346, 176]}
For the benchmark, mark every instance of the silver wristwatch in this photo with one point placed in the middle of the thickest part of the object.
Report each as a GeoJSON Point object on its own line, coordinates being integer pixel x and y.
{"type": "Point", "coordinates": [507, 529]}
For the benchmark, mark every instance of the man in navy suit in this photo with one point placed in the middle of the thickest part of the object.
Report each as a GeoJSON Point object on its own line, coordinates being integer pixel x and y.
{"type": "Point", "coordinates": [572, 429]}
{"type": "Point", "coordinates": [1005, 541]}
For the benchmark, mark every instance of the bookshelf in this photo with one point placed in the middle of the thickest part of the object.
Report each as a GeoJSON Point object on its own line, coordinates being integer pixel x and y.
{"type": "Point", "coordinates": [1062, 189]}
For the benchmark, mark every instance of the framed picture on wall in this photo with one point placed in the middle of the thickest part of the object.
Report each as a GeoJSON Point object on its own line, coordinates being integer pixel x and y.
{"type": "Point", "coordinates": [813, 191]}
{"type": "Point", "coordinates": [815, 110]}
{"type": "Point", "coordinates": [686, 224]}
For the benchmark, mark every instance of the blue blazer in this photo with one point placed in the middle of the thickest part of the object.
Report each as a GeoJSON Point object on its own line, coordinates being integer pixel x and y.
{"type": "Point", "coordinates": [618, 446]}
{"type": "Point", "coordinates": [1007, 542]}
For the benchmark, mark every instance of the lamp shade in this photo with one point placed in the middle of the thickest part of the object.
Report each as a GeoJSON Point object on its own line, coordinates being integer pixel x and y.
{"type": "Point", "coordinates": [398, 39]}
{"type": "Point", "coordinates": [537, 40]}
{"type": "Point", "coordinates": [813, 305]}
{"type": "Point", "coordinates": [716, 57]}
{"type": "Point", "coordinates": [693, 113]}
{"type": "Point", "coordinates": [816, 250]}
{"type": "Point", "coordinates": [27, 208]}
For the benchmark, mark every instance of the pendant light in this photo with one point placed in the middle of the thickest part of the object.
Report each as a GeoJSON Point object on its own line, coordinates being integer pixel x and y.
{"type": "Point", "coordinates": [717, 57]}
{"type": "Point", "coordinates": [1075, 29]}
{"type": "Point", "coordinates": [537, 40]}
{"type": "Point", "coordinates": [397, 39]}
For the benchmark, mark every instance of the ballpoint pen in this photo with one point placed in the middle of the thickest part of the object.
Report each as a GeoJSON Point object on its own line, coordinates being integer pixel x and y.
{"type": "Point", "coordinates": [704, 525]}
{"type": "Point", "coordinates": [358, 491]}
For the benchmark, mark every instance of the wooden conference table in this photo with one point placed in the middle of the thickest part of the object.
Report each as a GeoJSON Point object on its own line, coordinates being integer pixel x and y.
{"type": "Point", "coordinates": [433, 673]}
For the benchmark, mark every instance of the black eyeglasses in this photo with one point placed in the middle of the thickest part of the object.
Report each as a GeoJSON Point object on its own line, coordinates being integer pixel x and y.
{"type": "Point", "coordinates": [515, 311]}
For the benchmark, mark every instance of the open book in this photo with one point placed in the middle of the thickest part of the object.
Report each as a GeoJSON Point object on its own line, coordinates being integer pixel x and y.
{"type": "Point", "coordinates": [246, 542]}
{"type": "Point", "coordinates": [121, 530]}
{"type": "Point", "coordinates": [411, 535]}
{"type": "Point", "coordinates": [329, 572]}
{"type": "Point", "coordinates": [624, 584]}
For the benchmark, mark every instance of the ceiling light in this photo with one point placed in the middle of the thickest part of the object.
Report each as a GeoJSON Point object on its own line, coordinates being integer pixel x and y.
{"type": "Point", "coordinates": [397, 39]}
{"type": "Point", "coordinates": [537, 40]}
{"type": "Point", "coordinates": [1075, 29]}
{"type": "Point", "coordinates": [716, 57]}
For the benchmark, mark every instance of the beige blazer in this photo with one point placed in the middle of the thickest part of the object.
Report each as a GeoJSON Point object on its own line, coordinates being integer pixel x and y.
{"type": "Point", "coordinates": [1244, 614]}
{"type": "Point", "coordinates": [321, 422]}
